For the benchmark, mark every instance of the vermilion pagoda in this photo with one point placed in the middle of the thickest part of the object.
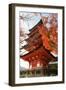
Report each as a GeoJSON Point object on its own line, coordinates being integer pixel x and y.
{"type": "Point", "coordinates": [39, 54]}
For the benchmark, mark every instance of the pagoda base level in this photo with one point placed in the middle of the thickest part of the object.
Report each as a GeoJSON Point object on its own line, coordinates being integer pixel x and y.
{"type": "Point", "coordinates": [50, 71]}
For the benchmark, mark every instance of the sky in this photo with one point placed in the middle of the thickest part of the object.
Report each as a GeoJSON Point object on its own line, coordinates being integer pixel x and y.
{"type": "Point", "coordinates": [29, 20]}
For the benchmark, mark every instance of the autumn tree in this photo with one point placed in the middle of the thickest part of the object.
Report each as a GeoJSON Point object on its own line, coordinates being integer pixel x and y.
{"type": "Point", "coordinates": [49, 33]}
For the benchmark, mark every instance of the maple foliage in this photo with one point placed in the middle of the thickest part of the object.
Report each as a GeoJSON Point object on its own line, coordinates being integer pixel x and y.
{"type": "Point", "coordinates": [49, 35]}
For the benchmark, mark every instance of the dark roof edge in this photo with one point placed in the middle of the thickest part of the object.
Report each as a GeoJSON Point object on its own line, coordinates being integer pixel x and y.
{"type": "Point", "coordinates": [36, 25]}
{"type": "Point", "coordinates": [45, 49]}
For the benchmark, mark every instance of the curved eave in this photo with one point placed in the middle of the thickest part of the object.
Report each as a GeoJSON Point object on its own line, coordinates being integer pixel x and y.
{"type": "Point", "coordinates": [41, 51]}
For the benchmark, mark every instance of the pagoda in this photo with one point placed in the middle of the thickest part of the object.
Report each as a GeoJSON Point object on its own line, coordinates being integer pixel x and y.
{"type": "Point", "coordinates": [38, 56]}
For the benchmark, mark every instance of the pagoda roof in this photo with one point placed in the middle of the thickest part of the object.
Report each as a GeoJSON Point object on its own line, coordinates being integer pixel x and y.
{"type": "Point", "coordinates": [40, 51]}
{"type": "Point", "coordinates": [30, 37]}
{"type": "Point", "coordinates": [37, 24]}
{"type": "Point", "coordinates": [25, 46]}
{"type": "Point", "coordinates": [32, 29]}
{"type": "Point", "coordinates": [35, 29]}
